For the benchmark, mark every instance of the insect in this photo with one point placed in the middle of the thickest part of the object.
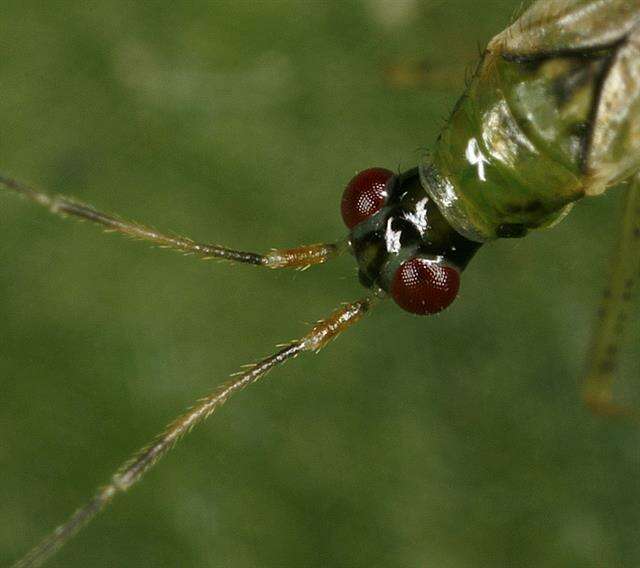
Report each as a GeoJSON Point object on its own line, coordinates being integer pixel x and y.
{"type": "Point", "coordinates": [476, 160]}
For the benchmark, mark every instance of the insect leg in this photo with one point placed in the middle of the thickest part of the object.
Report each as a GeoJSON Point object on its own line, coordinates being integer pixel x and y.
{"type": "Point", "coordinates": [134, 469]}
{"type": "Point", "coordinates": [299, 257]}
{"type": "Point", "coordinates": [614, 312]}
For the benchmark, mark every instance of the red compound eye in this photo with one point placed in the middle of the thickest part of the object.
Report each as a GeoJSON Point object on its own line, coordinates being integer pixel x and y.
{"type": "Point", "coordinates": [423, 286]}
{"type": "Point", "coordinates": [364, 195]}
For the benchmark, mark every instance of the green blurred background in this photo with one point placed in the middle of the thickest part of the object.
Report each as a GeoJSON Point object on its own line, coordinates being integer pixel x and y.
{"type": "Point", "coordinates": [455, 441]}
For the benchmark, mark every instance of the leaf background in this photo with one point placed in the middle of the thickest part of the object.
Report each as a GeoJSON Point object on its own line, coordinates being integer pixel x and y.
{"type": "Point", "coordinates": [455, 441]}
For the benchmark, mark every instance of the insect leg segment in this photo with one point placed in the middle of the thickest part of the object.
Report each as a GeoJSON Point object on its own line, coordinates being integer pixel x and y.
{"type": "Point", "coordinates": [277, 258]}
{"type": "Point", "coordinates": [134, 469]}
{"type": "Point", "coordinates": [614, 312]}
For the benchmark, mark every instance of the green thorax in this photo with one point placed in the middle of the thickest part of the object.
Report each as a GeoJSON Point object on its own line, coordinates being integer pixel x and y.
{"type": "Point", "coordinates": [510, 158]}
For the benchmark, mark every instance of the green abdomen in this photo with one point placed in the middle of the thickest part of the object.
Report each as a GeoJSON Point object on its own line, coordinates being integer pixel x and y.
{"type": "Point", "coordinates": [510, 158]}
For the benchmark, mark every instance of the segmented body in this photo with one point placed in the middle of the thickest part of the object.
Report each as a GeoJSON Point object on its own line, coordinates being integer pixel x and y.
{"type": "Point", "coordinates": [551, 115]}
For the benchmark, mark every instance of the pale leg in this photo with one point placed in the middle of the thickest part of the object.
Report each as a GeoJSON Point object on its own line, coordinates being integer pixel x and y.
{"type": "Point", "coordinates": [615, 311]}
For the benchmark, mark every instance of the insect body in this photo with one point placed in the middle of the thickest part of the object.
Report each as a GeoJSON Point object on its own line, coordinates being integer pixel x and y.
{"type": "Point", "coordinates": [551, 115]}
{"type": "Point", "coordinates": [544, 122]}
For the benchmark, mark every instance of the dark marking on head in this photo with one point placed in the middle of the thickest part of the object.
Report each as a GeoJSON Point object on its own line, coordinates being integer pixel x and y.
{"type": "Point", "coordinates": [410, 224]}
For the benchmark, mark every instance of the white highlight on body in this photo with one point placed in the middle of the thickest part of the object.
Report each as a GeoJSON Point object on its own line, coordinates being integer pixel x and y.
{"type": "Point", "coordinates": [449, 196]}
{"type": "Point", "coordinates": [419, 217]}
{"type": "Point", "coordinates": [392, 238]}
{"type": "Point", "coordinates": [476, 158]}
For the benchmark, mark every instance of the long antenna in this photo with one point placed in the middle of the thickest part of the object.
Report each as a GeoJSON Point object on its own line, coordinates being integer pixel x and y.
{"type": "Point", "coordinates": [298, 257]}
{"type": "Point", "coordinates": [134, 469]}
